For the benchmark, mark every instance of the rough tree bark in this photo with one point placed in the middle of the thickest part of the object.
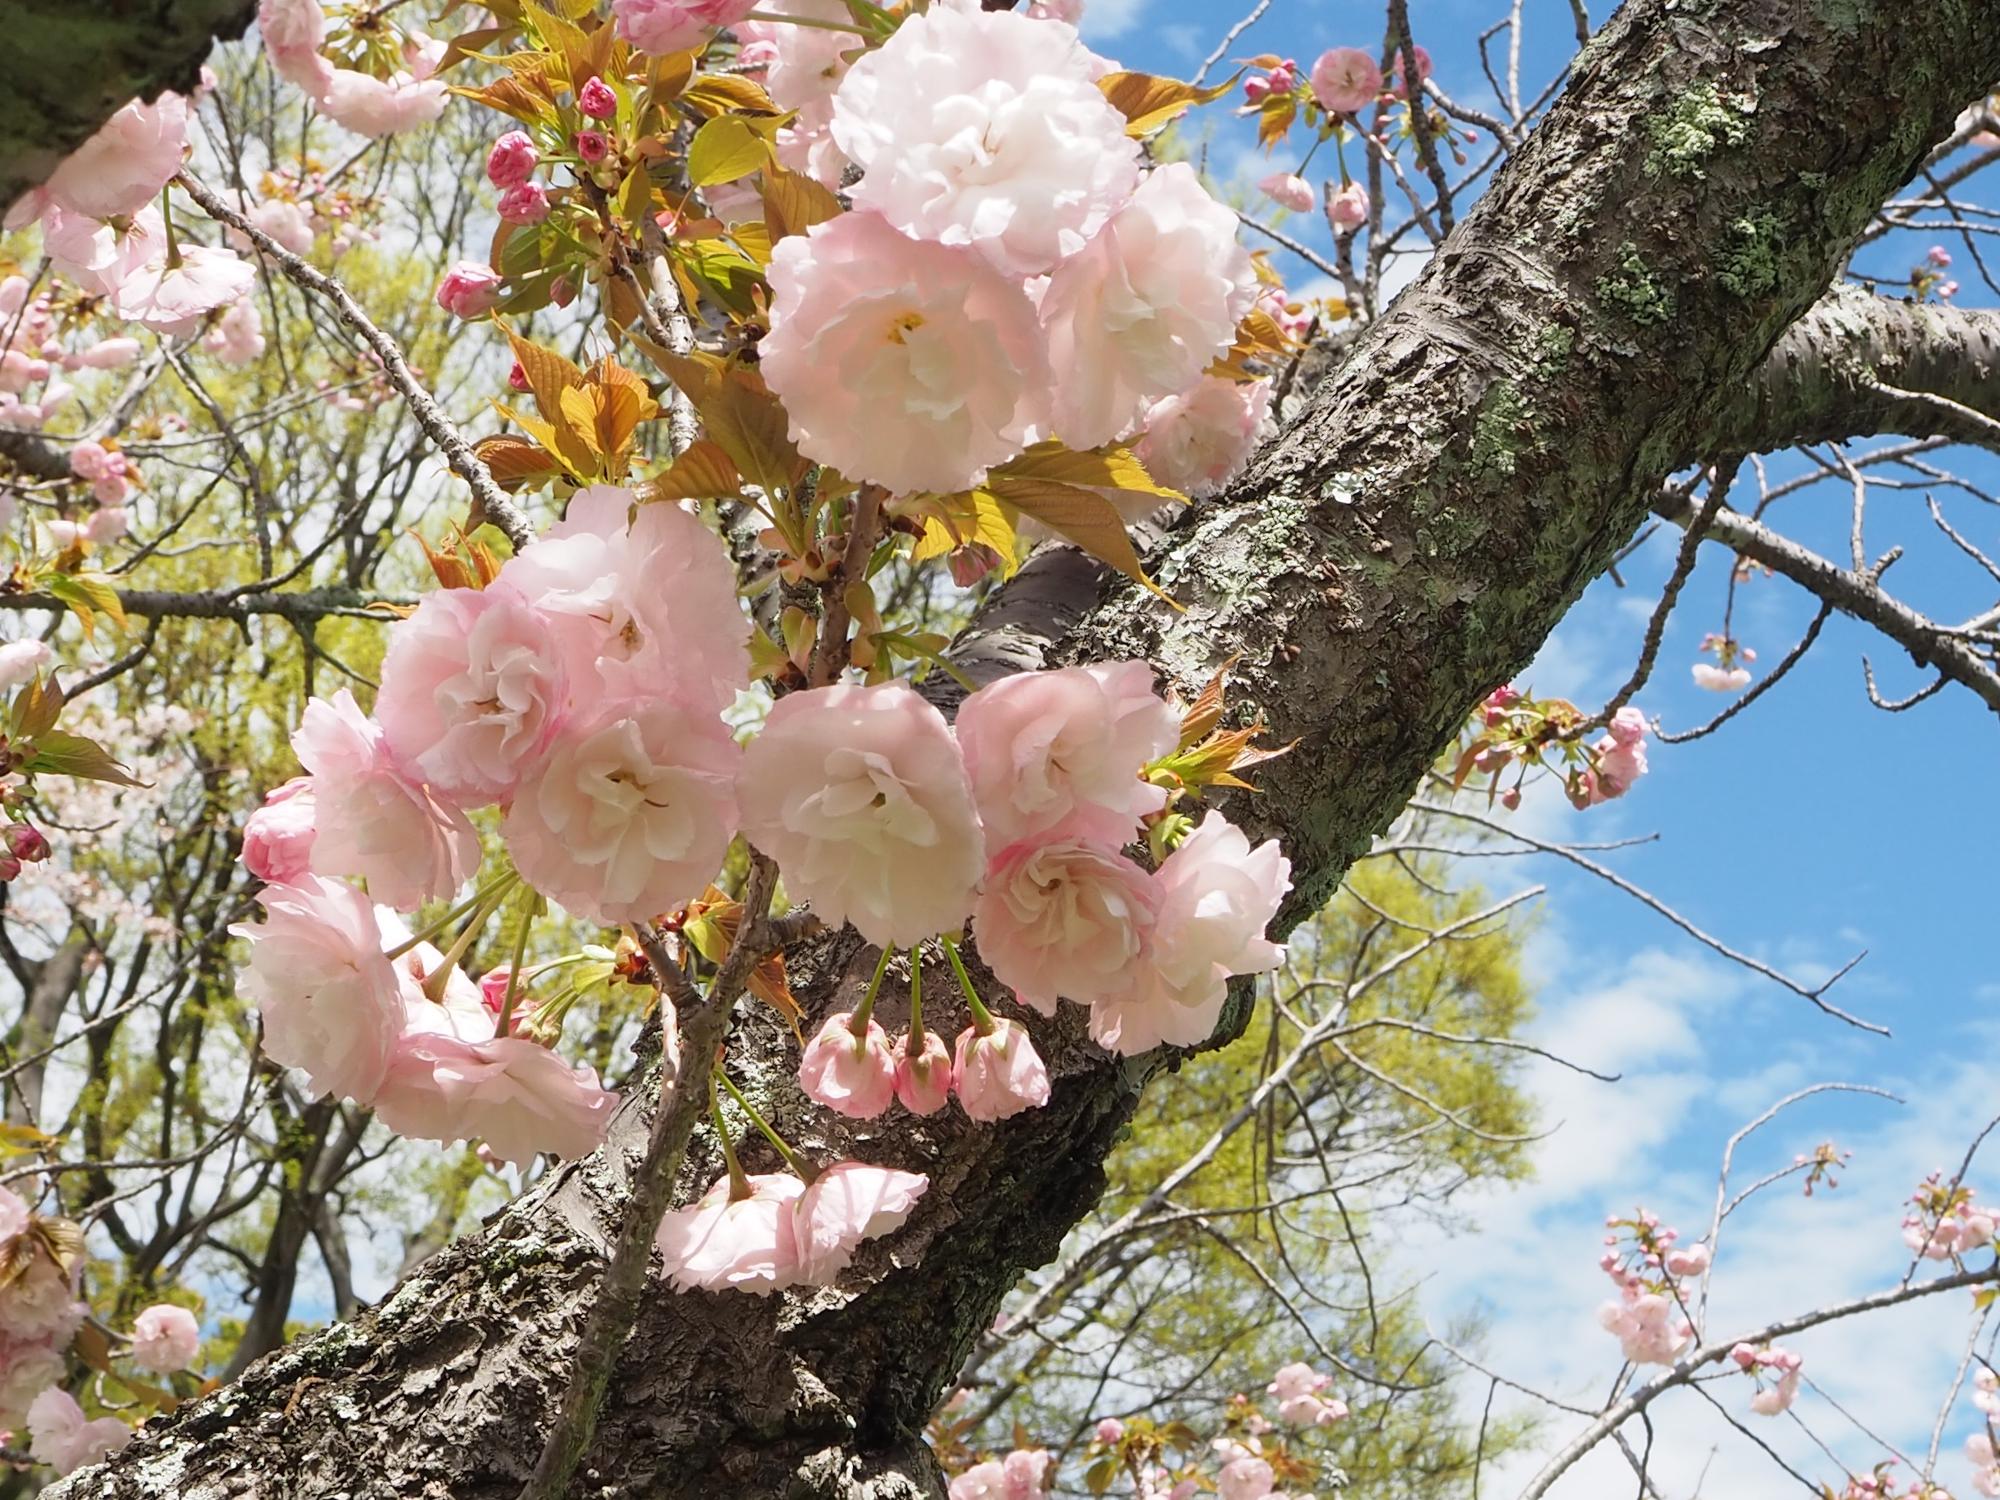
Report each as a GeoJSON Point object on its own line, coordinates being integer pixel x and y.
{"type": "Point", "coordinates": [1403, 547]}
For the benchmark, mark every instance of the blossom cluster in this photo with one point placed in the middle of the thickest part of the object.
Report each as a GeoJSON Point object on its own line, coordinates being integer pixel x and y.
{"type": "Point", "coordinates": [1943, 1222]}
{"type": "Point", "coordinates": [1513, 730]}
{"type": "Point", "coordinates": [1730, 671]}
{"type": "Point", "coordinates": [401, 93]}
{"type": "Point", "coordinates": [1649, 1316]}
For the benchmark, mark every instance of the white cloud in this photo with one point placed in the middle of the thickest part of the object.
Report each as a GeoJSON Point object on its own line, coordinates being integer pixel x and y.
{"type": "Point", "coordinates": [1105, 19]}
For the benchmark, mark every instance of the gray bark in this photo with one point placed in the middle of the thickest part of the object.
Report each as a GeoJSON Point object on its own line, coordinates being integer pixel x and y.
{"type": "Point", "coordinates": [1402, 548]}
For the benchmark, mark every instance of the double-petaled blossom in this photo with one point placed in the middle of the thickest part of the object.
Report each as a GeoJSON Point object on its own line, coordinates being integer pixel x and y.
{"type": "Point", "coordinates": [1145, 307]}
{"type": "Point", "coordinates": [372, 819]}
{"type": "Point", "coordinates": [1345, 80]}
{"type": "Point", "coordinates": [21, 660]}
{"type": "Point", "coordinates": [1064, 749]}
{"type": "Point", "coordinates": [173, 298]}
{"type": "Point", "coordinates": [803, 64]}
{"type": "Point", "coordinates": [998, 1073]}
{"type": "Point", "coordinates": [983, 128]}
{"type": "Point", "coordinates": [1770, 1400]}
{"type": "Point", "coordinates": [473, 691]}
{"type": "Point", "coordinates": [1216, 896]}
{"type": "Point", "coordinates": [61, 1437]}
{"type": "Point", "coordinates": [630, 811]}
{"type": "Point", "coordinates": [293, 32]}
{"type": "Point", "coordinates": [469, 290]}
{"type": "Point", "coordinates": [165, 1338]}
{"type": "Point", "coordinates": [27, 1368]}
{"type": "Point", "coordinates": [851, 1072]}
{"type": "Point", "coordinates": [747, 1244]}
{"type": "Point", "coordinates": [122, 168]}
{"type": "Point", "coordinates": [524, 203]}
{"type": "Point", "coordinates": [846, 1204]}
{"type": "Point", "coordinates": [376, 107]}
{"type": "Point", "coordinates": [288, 223]}
{"type": "Point", "coordinates": [512, 160]}
{"type": "Point", "coordinates": [658, 26]}
{"type": "Point", "coordinates": [517, 1098]}
{"type": "Point", "coordinates": [331, 1001]}
{"type": "Point", "coordinates": [945, 369]}
{"type": "Point", "coordinates": [1347, 208]}
{"type": "Point", "coordinates": [1064, 917]}
{"type": "Point", "coordinates": [1287, 190]}
{"type": "Point", "coordinates": [278, 836]}
{"type": "Point", "coordinates": [641, 599]}
{"type": "Point", "coordinates": [1720, 679]}
{"type": "Point", "coordinates": [860, 795]}
{"type": "Point", "coordinates": [1200, 439]}
{"type": "Point", "coordinates": [1985, 1464]}
{"type": "Point", "coordinates": [99, 257]}
{"type": "Point", "coordinates": [1619, 758]}
{"type": "Point", "coordinates": [238, 335]}
{"type": "Point", "coordinates": [41, 1303]}
{"type": "Point", "coordinates": [1649, 1328]}
{"type": "Point", "coordinates": [597, 100]}
{"type": "Point", "coordinates": [1298, 1389]}
{"type": "Point", "coordinates": [923, 1072]}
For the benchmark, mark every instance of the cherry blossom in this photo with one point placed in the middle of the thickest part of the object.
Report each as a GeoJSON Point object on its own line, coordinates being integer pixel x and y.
{"type": "Point", "coordinates": [122, 168]}
{"type": "Point", "coordinates": [675, 25]}
{"type": "Point", "coordinates": [1065, 917]}
{"type": "Point", "coordinates": [1649, 1328]}
{"type": "Point", "coordinates": [997, 1073]}
{"type": "Point", "coordinates": [372, 820]}
{"type": "Point", "coordinates": [1348, 208]}
{"type": "Point", "coordinates": [1145, 307]}
{"type": "Point", "coordinates": [860, 795]}
{"type": "Point", "coordinates": [21, 660]}
{"type": "Point", "coordinates": [803, 65]}
{"type": "Point", "coordinates": [947, 369]}
{"type": "Point", "coordinates": [1216, 897]}
{"type": "Point", "coordinates": [278, 836]}
{"type": "Point", "coordinates": [630, 812]}
{"type": "Point", "coordinates": [165, 1338]}
{"type": "Point", "coordinates": [469, 290]}
{"type": "Point", "coordinates": [849, 1068]}
{"type": "Point", "coordinates": [473, 690]}
{"type": "Point", "coordinates": [238, 335]}
{"type": "Point", "coordinates": [62, 1439]}
{"type": "Point", "coordinates": [519, 1098]}
{"type": "Point", "coordinates": [172, 298]}
{"type": "Point", "coordinates": [1345, 80]}
{"type": "Point", "coordinates": [332, 1002]}
{"type": "Point", "coordinates": [1065, 748]}
{"type": "Point", "coordinates": [747, 1244]}
{"type": "Point", "coordinates": [984, 128]}
{"type": "Point", "coordinates": [512, 160]}
{"type": "Point", "coordinates": [844, 1205]}
{"type": "Point", "coordinates": [1197, 441]}
{"type": "Point", "coordinates": [1287, 190]}
{"type": "Point", "coordinates": [923, 1073]}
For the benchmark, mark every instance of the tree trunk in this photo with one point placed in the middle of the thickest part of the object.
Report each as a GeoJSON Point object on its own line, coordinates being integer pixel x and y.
{"type": "Point", "coordinates": [1404, 547]}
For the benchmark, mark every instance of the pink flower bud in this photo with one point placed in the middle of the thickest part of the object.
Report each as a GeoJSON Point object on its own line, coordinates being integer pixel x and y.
{"type": "Point", "coordinates": [1288, 190]}
{"type": "Point", "coordinates": [851, 1075]}
{"type": "Point", "coordinates": [1744, 1355]}
{"type": "Point", "coordinates": [998, 1074]}
{"type": "Point", "coordinates": [512, 160]}
{"type": "Point", "coordinates": [10, 868]}
{"type": "Point", "coordinates": [592, 146]}
{"type": "Point", "coordinates": [1939, 256]}
{"type": "Point", "coordinates": [518, 377]}
{"type": "Point", "coordinates": [24, 842]}
{"type": "Point", "coordinates": [1348, 208]}
{"type": "Point", "coordinates": [469, 290]}
{"type": "Point", "coordinates": [1110, 1430]}
{"type": "Point", "coordinates": [524, 203]}
{"type": "Point", "coordinates": [108, 522]}
{"type": "Point", "coordinates": [596, 100]}
{"type": "Point", "coordinates": [923, 1080]}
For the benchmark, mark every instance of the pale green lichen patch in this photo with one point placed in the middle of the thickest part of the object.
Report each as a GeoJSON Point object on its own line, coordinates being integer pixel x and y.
{"type": "Point", "coordinates": [1749, 264]}
{"type": "Point", "coordinates": [1699, 122]}
{"type": "Point", "coordinates": [1631, 289]}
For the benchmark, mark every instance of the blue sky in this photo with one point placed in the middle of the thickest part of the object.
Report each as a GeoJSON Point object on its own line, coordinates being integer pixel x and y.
{"type": "Point", "coordinates": [1812, 827]}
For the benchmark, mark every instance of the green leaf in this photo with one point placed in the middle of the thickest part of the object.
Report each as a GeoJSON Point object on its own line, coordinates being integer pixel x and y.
{"type": "Point", "coordinates": [35, 709]}
{"type": "Point", "coordinates": [725, 149]}
{"type": "Point", "coordinates": [88, 594]}
{"type": "Point", "coordinates": [59, 753]}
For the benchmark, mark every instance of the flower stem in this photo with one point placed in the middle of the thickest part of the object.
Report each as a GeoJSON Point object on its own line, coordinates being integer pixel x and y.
{"type": "Point", "coordinates": [914, 1039]}
{"type": "Point", "coordinates": [865, 1011]}
{"type": "Point", "coordinates": [814, 23]}
{"type": "Point", "coordinates": [801, 1169]}
{"type": "Point", "coordinates": [498, 883]}
{"type": "Point", "coordinates": [982, 1018]}
{"type": "Point", "coordinates": [739, 1184]}
{"type": "Point", "coordinates": [504, 1027]}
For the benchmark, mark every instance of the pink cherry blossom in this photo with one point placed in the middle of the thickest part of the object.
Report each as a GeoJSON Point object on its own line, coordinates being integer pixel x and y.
{"type": "Point", "coordinates": [630, 812]}
{"type": "Point", "coordinates": [1108, 1430]}
{"type": "Point", "coordinates": [945, 360]}
{"type": "Point", "coordinates": [592, 145]}
{"type": "Point", "coordinates": [999, 1074]}
{"type": "Point", "coordinates": [1721, 679]}
{"type": "Point", "coordinates": [597, 100]}
{"type": "Point", "coordinates": [331, 1002]}
{"type": "Point", "coordinates": [1246, 1477]}
{"type": "Point", "coordinates": [122, 168]}
{"type": "Point", "coordinates": [1065, 748]}
{"type": "Point", "coordinates": [107, 354]}
{"type": "Point", "coordinates": [1345, 79]}
{"type": "Point", "coordinates": [14, 1217]}
{"type": "Point", "coordinates": [107, 524]}
{"type": "Point", "coordinates": [984, 128]}
{"type": "Point", "coordinates": [100, 258]}
{"type": "Point", "coordinates": [1693, 1260]}
{"type": "Point", "coordinates": [1216, 896]}
{"type": "Point", "coordinates": [289, 223]}
{"type": "Point", "coordinates": [469, 290]}
{"type": "Point", "coordinates": [1650, 1329]}
{"type": "Point", "coordinates": [1400, 88]}
{"type": "Point", "coordinates": [173, 299]}
{"type": "Point", "coordinates": [1067, 918]}
{"type": "Point", "coordinates": [1348, 208]}
{"type": "Point", "coordinates": [846, 1204]}
{"type": "Point", "coordinates": [923, 1074]}
{"type": "Point", "coordinates": [1770, 1400]}
{"type": "Point", "coordinates": [165, 1338]}
{"type": "Point", "coordinates": [1021, 1475]}
{"type": "Point", "coordinates": [21, 660]}
{"type": "Point", "coordinates": [803, 65]}
{"type": "Point", "coordinates": [473, 690]}
{"type": "Point", "coordinates": [373, 821]}
{"type": "Point", "coordinates": [1145, 307]}
{"type": "Point", "coordinates": [519, 1098]}
{"type": "Point", "coordinates": [238, 335]}
{"type": "Point", "coordinates": [675, 25]}
{"type": "Point", "coordinates": [852, 1075]}
{"type": "Point", "coordinates": [27, 1368]}
{"type": "Point", "coordinates": [861, 797]}
{"type": "Point", "coordinates": [642, 600]}
{"type": "Point", "coordinates": [278, 836]}
{"type": "Point", "coordinates": [1288, 190]}
{"type": "Point", "coordinates": [293, 32]}
{"type": "Point", "coordinates": [63, 1440]}
{"type": "Point", "coordinates": [41, 1303]}
{"type": "Point", "coordinates": [1199, 440]}
{"type": "Point", "coordinates": [512, 160]}
{"type": "Point", "coordinates": [524, 203]}
{"type": "Point", "coordinates": [376, 107]}
{"type": "Point", "coordinates": [745, 1244]}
